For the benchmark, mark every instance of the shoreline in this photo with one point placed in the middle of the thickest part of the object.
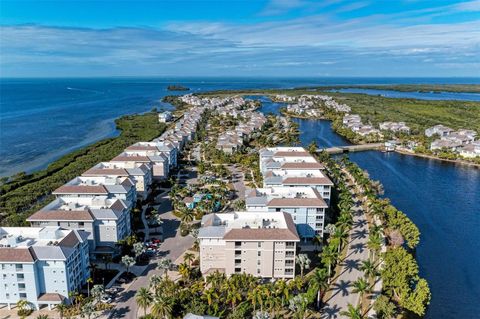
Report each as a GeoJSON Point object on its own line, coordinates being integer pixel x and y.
{"type": "Point", "coordinates": [453, 161]}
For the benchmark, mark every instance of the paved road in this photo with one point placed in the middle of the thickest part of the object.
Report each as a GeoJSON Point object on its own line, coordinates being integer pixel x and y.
{"type": "Point", "coordinates": [342, 286]}
{"type": "Point", "coordinates": [238, 181]}
{"type": "Point", "coordinates": [172, 247]}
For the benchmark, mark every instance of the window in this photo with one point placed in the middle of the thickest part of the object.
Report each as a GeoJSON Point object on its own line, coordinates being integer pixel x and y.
{"type": "Point", "coordinates": [23, 295]}
{"type": "Point", "coordinates": [258, 271]}
{"type": "Point", "coordinates": [18, 267]}
{"type": "Point", "coordinates": [20, 277]}
{"type": "Point", "coordinates": [81, 224]}
{"type": "Point", "coordinates": [259, 244]}
{"type": "Point", "coordinates": [238, 243]}
{"type": "Point", "coordinates": [290, 244]}
{"type": "Point", "coordinates": [258, 262]}
{"type": "Point", "coordinates": [277, 209]}
{"type": "Point", "coordinates": [259, 253]}
{"type": "Point", "coordinates": [21, 287]}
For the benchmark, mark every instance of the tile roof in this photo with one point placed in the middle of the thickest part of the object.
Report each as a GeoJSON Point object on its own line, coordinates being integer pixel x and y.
{"type": "Point", "coordinates": [51, 297]}
{"type": "Point", "coordinates": [81, 189]}
{"type": "Point", "coordinates": [142, 148]}
{"type": "Point", "coordinates": [136, 158]}
{"type": "Point", "coordinates": [256, 234]}
{"type": "Point", "coordinates": [24, 255]}
{"type": "Point", "coordinates": [302, 165]}
{"type": "Point", "coordinates": [61, 215]}
{"type": "Point", "coordinates": [297, 202]}
{"type": "Point", "coordinates": [291, 154]}
{"type": "Point", "coordinates": [106, 171]}
{"type": "Point", "coordinates": [308, 181]}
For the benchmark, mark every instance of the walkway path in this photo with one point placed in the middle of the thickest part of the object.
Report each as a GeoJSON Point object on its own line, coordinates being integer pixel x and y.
{"type": "Point", "coordinates": [341, 289]}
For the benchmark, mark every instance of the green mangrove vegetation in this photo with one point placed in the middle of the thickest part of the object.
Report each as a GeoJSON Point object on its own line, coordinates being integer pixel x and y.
{"type": "Point", "coordinates": [24, 193]}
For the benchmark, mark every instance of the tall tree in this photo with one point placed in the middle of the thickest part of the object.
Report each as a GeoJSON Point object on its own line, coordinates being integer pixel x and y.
{"type": "Point", "coordinates": [144, 299]}
{"type": "Point", "coordinates": [303, 262]}
{"type": "Point", "coordinates": [319, 281]}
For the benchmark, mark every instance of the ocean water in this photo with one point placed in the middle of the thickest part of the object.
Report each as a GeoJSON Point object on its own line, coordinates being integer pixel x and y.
{"type": "Point", "coordinates": [416, 95]}
{"type": "Point", "coordinates": [43, 119]}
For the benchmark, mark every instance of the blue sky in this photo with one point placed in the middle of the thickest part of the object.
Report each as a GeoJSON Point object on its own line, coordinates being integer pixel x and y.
{"type": "Point", "coordinates": [408, 38]}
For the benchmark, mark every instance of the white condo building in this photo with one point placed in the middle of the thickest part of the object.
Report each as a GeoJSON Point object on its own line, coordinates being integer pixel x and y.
{"type": "Point", "coordinates": [41, 264]}
{"type": "Point", "coordinates": [142, 175]}
{"type": "Point", "coordinates": [107, 220]}
{"type": "Point", "coordinates": [305, 204]}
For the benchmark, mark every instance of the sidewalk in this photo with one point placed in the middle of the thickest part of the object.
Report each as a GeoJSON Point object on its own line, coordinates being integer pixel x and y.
{"type": "Point", "coordinates": [341, 290]}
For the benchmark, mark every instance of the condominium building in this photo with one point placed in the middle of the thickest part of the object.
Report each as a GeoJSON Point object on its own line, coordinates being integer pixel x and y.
{"type": "Point", "coordinates": [156, 148]}
{"type": "Point", "coordinates": [142, 175]}
{"type": "Point", "coordinates": [159, 163]}
{"type": "Point", "coordinates": [107, 220]}
{"type": "Point", "coordinates": [41, 264]}
{"type": "Point", "coordinates": [293, 167]}
{"type": "Point", "coordinates": [92, 186]}
{"type": "Point", "coordinates": [305, 204]}
{"type": "Point", "coordinates": [262, 244]}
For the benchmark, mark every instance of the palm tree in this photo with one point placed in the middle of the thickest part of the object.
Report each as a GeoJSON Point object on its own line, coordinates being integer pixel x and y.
{"type": "Point", "coordinates": [87, 310]}
{"type": "Point", "coordinates": [42, 317]}
{"type": "Point", "coordinates": [352, 312]}
{"type": "Point", "coordinates": [184, 271]}
{"type": "Point", "coordinates": [304, 262]}
{"type": "Point", "coordinates": [319, 281]}
{"type": "Point", "coordinates": [128, 262]}
{"type": "Point", "coordinates": [60, 308]}
{"type": "Point", "coordinates": [298, 305]}
{"type": "Point", "coordinates": [165, 264]}
{"type": "Point", "coordinates": [317, 241]}
{"type": "Point", "coordinates": [144, 299]}
{"type": "Point", "coordinates": [329, 257]}
{"type": "Point", "coordinates": [162, 307]}
{"type": "Point", "coordinates": [97, 292]}
{"type": "Point", "coordinates": [254, 295]}
{"type": "Point", "coordinates": [360, 286]}
{"type": "Point", "coordinates": [369, 269]}
{"type": "Point", "coordinates": [189, 258]}
{"type": "Point", "coordinates": [374, 244]}
{"type": "Point", "coordinates": [341, 237]}
{"type": "Point", "coordinates": [282, 290]}
{"type": "Point", "coordinates": [233, 296]}
{"type": "Point", "coordinates": [89, 281]}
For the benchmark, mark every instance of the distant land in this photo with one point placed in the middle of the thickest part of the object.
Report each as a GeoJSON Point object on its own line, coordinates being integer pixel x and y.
{"type": "Point", "coordinates": [177, 88]}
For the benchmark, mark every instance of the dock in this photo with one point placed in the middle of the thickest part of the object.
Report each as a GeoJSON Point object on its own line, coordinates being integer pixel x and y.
{"type": "Point", "coordinates": [352, 148]}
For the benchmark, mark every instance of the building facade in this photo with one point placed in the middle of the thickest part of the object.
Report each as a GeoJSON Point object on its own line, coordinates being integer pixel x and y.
{"type": "Point", "coordinates": [41, 264]}
{"type": "Point", "coordinates": [262, 244]}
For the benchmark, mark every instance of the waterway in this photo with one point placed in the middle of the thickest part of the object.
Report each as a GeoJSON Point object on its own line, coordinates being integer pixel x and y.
{"type": "Point", "coordinates": [442, 199]}
{"type": "Point", "coordinates": [463, 96]}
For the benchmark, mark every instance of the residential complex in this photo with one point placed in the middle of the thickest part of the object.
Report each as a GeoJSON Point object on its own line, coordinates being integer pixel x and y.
{"type": "Point", "coordinates": [305, 204]}
{"type": "Point", "coordinates": [41, 264]}
{"type": "Point", "coordinates": [141, 174]}
{"type": "Point", "coordinates": [354, 123]}
{"type": "Point", "coordinates": [293, 167]}
{"type": "Point", "coordinates": [461, 141]}
{"type": "Point", "coordinates": [105, 219]}
{"type": "Point", "coordinates": [104, 186]}
{"type": "Point", "coordinates": [258, 243]}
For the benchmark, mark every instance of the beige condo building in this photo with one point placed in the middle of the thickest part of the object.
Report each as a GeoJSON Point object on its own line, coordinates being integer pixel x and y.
{"type": "Point", "coordinates": [262, 244]}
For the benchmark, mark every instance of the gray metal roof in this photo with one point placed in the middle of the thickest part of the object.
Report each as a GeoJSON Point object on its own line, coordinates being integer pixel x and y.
{"type": "Point", "coordinates": [256, 201]}
{"type": "Point", "coordinates": [211, 232]}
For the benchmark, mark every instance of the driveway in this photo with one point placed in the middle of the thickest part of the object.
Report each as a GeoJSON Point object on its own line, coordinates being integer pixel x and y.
{"type": "Point", "coordinates": [173, 247]}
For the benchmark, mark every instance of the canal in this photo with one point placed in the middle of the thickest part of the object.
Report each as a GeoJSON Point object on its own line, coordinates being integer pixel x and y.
{"type": "Point", "coordinates": [443, 199]}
